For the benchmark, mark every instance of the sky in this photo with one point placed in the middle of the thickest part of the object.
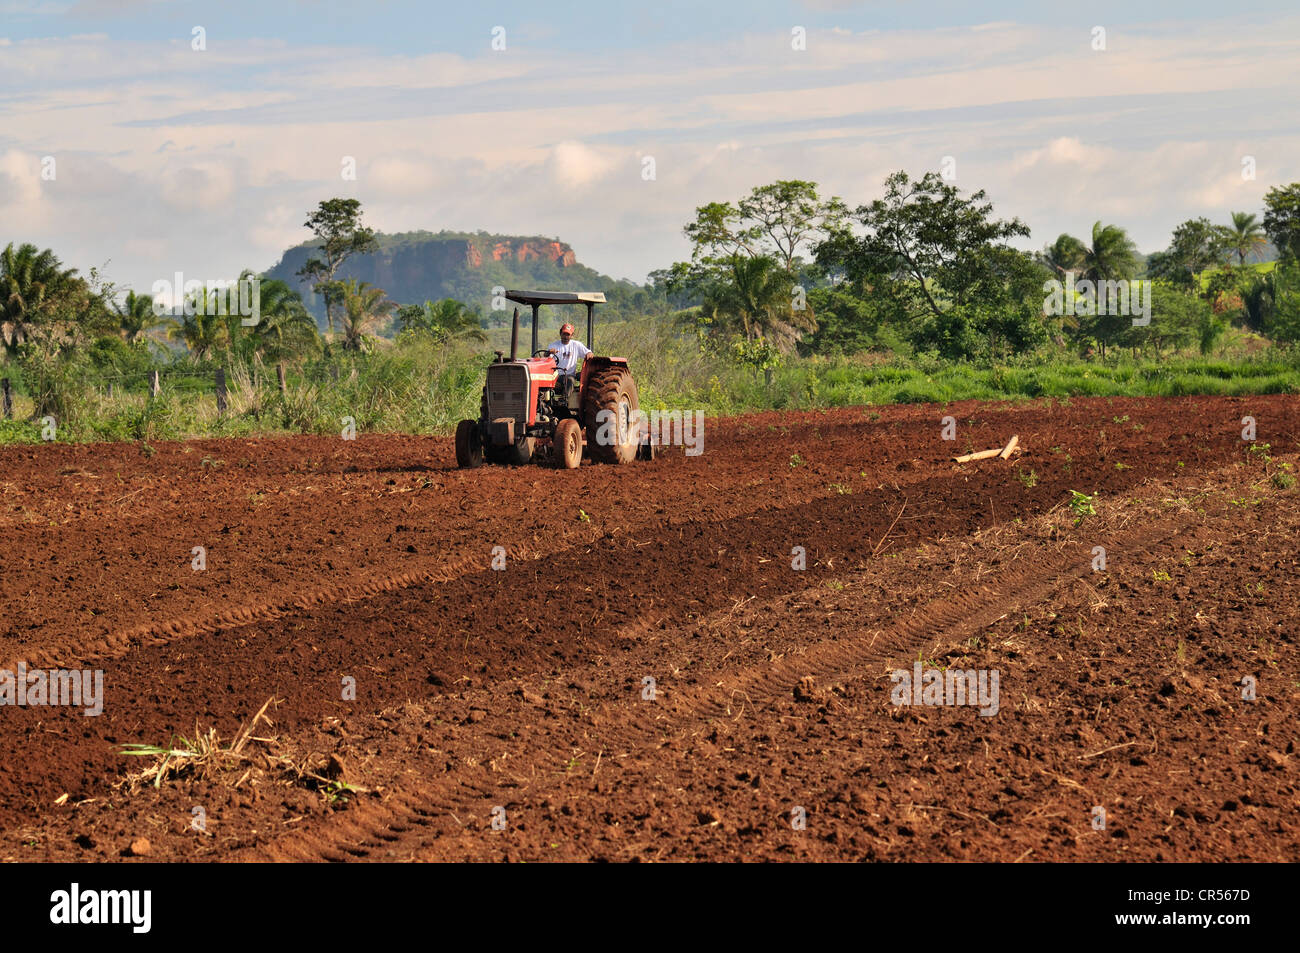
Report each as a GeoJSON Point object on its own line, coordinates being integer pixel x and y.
{"type": "Point", "coordinates": [147, 137]}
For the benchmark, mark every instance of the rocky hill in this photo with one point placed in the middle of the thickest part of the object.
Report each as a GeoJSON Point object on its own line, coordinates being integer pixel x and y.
{"type": "Point", "coordinates": [413, 267]}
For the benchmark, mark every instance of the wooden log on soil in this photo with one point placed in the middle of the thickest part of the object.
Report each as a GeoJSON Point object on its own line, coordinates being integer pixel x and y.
{"type": "Point", "coordinates": [1001, 452]}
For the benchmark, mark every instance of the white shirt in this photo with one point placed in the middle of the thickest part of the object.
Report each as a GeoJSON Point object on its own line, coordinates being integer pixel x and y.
{"type": "Point", "coordinates": [567, 355]}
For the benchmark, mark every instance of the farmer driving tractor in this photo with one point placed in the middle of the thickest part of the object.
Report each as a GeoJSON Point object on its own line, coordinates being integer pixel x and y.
{"type": "Point", "coordinates": [540, 403]}
{"type": "Point", "coordinates": [567, 352]}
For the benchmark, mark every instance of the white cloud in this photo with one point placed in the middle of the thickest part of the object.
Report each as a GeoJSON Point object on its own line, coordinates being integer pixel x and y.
{"type": "Point", "coordinates": [200, 187]}
{"type": "Point", "coordinates": [573, 164]}
{"type": "Point", "coordinates": [20, 179]}
{"type": "Point", "coordinates": [209, 162]}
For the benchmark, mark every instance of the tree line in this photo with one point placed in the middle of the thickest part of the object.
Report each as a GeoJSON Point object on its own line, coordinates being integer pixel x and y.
{"type": "Point", "coordinates": [926, 268]}
{"type": "Point", "coordinates": [923, 268]}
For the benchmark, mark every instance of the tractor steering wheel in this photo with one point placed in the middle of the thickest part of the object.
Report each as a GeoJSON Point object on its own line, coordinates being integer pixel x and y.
{"type": "Point", "coordinates": [542, 353]}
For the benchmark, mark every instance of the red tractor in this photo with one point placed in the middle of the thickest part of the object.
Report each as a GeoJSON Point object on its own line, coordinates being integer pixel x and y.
{"type": "Point", "coordinates": [530, 409]}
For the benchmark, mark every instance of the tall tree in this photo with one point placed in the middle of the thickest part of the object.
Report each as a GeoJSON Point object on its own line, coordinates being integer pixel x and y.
{"type": "Point", "coordinates": [1282, 219]}
{"type": "Point", "coordinates": [337, 224]}
{"type": "Point", "coordinates": [790, 216]}
{"type": "Point", "coordinates": [1197, 244]}
{"type": "Point", "coordinates": [942, 260]}
{"type": "Point", "coordinates": [779, 221]}
{"type": "Point", "coordinates": [772, 225]}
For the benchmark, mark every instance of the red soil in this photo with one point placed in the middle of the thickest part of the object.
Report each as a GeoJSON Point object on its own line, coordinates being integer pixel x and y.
{"type": "Point", "coordinates": [524, 689]}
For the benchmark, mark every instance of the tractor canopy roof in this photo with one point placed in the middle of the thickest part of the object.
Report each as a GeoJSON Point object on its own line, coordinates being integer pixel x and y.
{"type": "Point", "coordinates": [556, 297]}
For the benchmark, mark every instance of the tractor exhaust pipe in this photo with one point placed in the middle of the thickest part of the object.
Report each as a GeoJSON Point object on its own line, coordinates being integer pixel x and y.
{"type": "Point", "coordinates": [514, 336]}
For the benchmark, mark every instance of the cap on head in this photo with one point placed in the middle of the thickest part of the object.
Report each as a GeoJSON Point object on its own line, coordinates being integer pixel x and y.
{"type": "Point", "coordinates": [566, 329]}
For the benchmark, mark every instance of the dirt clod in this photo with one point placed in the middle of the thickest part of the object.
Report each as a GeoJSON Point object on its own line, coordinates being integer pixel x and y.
{"type": "Point", "coordinates": [805, 691]}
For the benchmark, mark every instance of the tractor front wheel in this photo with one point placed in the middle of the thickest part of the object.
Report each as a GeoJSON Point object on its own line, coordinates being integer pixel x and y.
{"type": "Point", "coordinates": [610, 413]}
{"type": "Point", "coordinates": [518, 454]}
{"type": "Point", "coordinates": [568, 445]}
{"type": "Point", "coordinates": [469, 445]}
{"type": "Point", "coordinates": [521, 454]}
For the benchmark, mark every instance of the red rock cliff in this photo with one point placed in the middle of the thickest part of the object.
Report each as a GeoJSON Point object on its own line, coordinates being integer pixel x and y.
{"type": "Point", "coordinates": [556, 252]}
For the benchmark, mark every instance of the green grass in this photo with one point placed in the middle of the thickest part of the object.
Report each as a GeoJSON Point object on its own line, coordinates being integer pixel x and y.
{"type": "Point", "coordinates": [419, 388]}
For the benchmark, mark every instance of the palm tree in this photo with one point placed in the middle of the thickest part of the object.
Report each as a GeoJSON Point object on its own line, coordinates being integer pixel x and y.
{"type": "Point", "coordinates": [285, 328]}
{"type": "Point", "coordinates": [30, 279]}
{"type": "Point", "coordinates": [136, 316]}
{"type": "Point", "coordinates": [363, 306]}
{"type": "Point", "coordinates": [1245, 236]}
{"type": "Point", "coordinates": [1065, 254]}
{"type": "Point", "coordinates": [445, 320]}
{"type": "Point", "coordinates": [755, 301]}
{"type": "Point", "coordinates": [204, 330]}
{"type": "Point", "coordinates": [1112, 255]}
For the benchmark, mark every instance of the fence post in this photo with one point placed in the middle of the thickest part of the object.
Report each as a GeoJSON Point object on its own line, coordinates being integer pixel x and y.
{"type": "Point", "coordinates": [110, 390]}
{"type": "Point", "coordinates": [221, 391]}
{"type": "Point", "coordinates": [279, 376]}
{"type": "Point", "coordinates": [8, 399]}
{"type": "Point", "coordinates": [154, 386]}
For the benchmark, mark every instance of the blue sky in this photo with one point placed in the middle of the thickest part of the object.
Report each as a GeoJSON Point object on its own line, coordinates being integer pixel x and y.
{"type": "Point", "coordinates": [415, 27]}
{"type": "Point", "coordinates": [168, 158]}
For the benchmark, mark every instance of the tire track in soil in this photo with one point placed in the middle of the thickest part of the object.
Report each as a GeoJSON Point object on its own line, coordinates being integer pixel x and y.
{"type": "Point", "coordinates": [157, 690]}
{"type": "Point", "coordinates": [164, 632]}
{"type": "Point", "coordinates": [409, 811]}
{"type": "Point", "coordinates": [65, 651]}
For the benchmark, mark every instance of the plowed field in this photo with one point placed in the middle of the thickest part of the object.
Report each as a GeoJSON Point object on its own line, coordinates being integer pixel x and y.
{"type": "Point", "coordinates": [651, 676]}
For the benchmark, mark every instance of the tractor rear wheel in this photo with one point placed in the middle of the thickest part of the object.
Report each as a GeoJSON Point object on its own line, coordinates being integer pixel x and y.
{"type": "Point", "coordinates": [469, 445]}
{"type": "Point", "coordinates": [568, 445]}
{"type": "Point", "coordinates": [610, 412]}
